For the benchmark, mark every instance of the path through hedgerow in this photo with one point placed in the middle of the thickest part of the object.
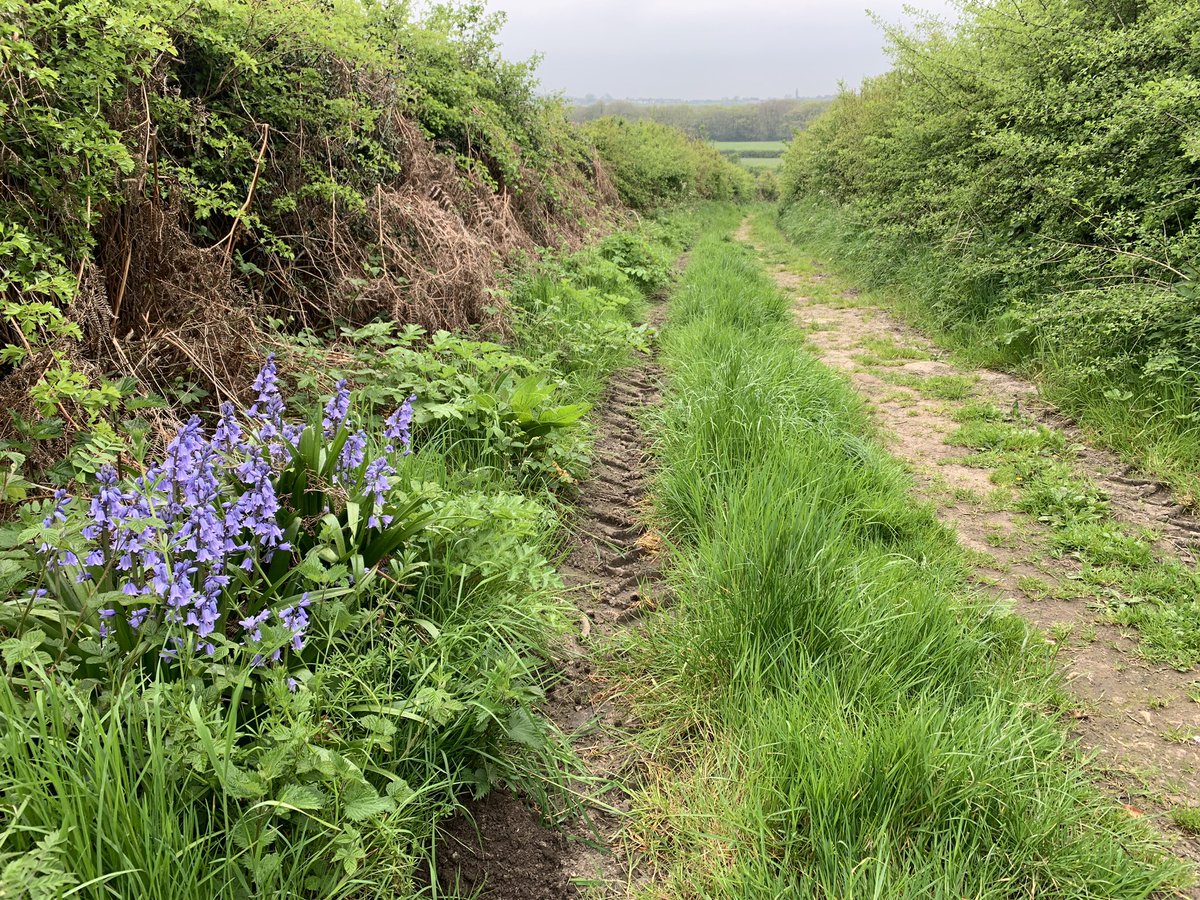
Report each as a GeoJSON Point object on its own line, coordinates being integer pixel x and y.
{"type": "Point", "coordinates": [1067, 535]}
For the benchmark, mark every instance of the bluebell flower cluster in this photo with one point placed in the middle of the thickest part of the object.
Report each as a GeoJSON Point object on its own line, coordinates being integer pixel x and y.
{"type": "Point", "coordinates": [336, 410]}
{"type": "Point", "coordinates": [398, 428]}
{"type": "Point", "coordinates": [174, 539]}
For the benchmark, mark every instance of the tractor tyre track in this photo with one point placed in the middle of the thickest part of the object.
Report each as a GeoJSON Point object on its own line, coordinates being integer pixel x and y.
{"type": "Point", "coordinates": [612, 572]}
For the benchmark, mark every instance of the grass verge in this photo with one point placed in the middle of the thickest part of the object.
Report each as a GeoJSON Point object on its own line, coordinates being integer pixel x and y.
{"type": "Point", "coordinates": [1148, 421]}
{"type": "Point", "coordinates": [269, 666]}
{"type": "Point", "coordinates": [847, 720]}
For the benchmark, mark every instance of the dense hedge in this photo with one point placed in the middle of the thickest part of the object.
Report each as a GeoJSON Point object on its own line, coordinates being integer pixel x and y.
{"type": "Point", "coordinates": [1033, 174]}
{"type": "Point", "coordinates": [321, 160]}
{"type": "Point", "coordinates": [654, 164]}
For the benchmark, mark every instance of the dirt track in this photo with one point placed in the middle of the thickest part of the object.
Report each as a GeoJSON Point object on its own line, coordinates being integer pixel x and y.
{"type": "Point", "coordinates": [1136, 717]}
{"type": "Point", "coordinates": [612, 571]}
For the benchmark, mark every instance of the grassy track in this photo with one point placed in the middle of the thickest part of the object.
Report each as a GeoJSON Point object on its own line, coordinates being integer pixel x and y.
{"type": "Point", "coordinates": [1156, 431]}
{"type": "Point", "coordinates": [1121, 567]}
{"type": "Point", "coordinates": [848, 721]}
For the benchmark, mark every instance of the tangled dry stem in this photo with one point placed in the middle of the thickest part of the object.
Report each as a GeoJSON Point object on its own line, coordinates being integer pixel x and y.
{"type": "Point", "coordinates": [428, 248]}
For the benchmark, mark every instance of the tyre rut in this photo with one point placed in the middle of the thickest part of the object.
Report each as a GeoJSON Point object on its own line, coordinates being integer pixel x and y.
{"type": "Point", "coordinates": [613, 576]}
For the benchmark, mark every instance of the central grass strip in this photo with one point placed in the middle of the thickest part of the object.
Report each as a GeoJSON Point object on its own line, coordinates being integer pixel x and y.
{"type": "Point", "coordinates": [843, 718]}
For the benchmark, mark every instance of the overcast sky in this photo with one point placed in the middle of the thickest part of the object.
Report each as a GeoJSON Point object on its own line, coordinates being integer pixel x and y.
{"type": "Point", "coordinates": [701, 49]}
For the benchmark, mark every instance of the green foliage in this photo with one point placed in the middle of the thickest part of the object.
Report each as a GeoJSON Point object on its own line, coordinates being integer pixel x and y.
{"type": "Point", "coordinates": [646, 265]}
{"type": "Point", "coordinates": [510, 410]}
{"type": "Point", "coordinates": [482, 405]}
{"type": "Point", "coordinates": [751, 149]}
{"type": "Point", "coordinates": [579, 318]}
{"type": "Point", "coordinates": [423, 661]}
{"type": "Point", "coordinates": [265, 129]}
{"type": "Point", "coordinates": [1032, 176]}
{"type": "Point", "coordinates": [823, 659]}
{"type": "Point", "coordinates": [654, 165]}
{"type": "Point", "coordinates": [767, 184]}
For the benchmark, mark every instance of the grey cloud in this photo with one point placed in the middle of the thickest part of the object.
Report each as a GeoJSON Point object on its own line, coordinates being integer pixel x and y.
{"type": "Point", "coordinates": [700, 49]}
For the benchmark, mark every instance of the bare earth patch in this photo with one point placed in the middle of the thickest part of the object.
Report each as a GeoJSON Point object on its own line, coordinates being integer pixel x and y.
{"type": "Point", "coordinates": [502, 849]}
{"type": "Point", "coordinates": [1136, 717]}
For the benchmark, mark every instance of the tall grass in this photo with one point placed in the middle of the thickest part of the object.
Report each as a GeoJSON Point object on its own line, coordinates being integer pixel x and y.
{"type": "Point", "coordinates": [854, 723]}
{"type": "Point", "coordinates": [144, 794]}
{"type": "Point", "coordinates": [422, 677]}
{"type": "Point", "coordinates": [112, 809]}
{"type": "Point", "coordinates": [1152, 422]}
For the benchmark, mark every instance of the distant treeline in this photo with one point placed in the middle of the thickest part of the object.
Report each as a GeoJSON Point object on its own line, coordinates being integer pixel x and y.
{"type": "Point", "coordinates": [769, 120]}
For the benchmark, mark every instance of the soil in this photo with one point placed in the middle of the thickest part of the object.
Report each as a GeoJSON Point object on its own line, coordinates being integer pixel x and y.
{"type": "Point", "coordinates": [500, 846]}
{"type": "Point", "coordinates": [1125, 705]}
{"type": "Point", "coordinates": [504, 847]}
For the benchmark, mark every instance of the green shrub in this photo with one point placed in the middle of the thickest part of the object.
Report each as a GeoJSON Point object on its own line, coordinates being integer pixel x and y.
{"type": "Point", "coordinates": [1030, 175]}
{"type": "Point", "coordinates": [654, 165]}
{"type": "Point", "coordinates": [257, 154]}
{"type": "Point", "coordinates": [482, 405]}
{"type": "Point", "coordinates": [767, 184]}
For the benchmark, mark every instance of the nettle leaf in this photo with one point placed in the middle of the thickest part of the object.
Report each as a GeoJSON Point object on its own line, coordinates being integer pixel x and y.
{"type": "Point", "coordinates": [266, 868]}
{"type": "Point", "coordinates": [523, 729]}
{"type": "Point", "coordinates": [24, 649]}
{"type": "Point", "coordinates": [350, 852]}
{"type": "Point", "coordinates": [302, 796]}
{"type": "Point", "coordinates": [401, 792]}
{"type": "Point", "coordinates": [11, 572]}
{"type": "Point", "coordinates": [242, 784]}
{"type": "Point", "coordinates": [311, 568]}
{"type": "Point", "coordinates": [380, 729]}
{"type": "Point", "coordinates": [361, 801]}
{"type": "Point", "coordinates": [251, 831]}
{"type": "Point", "coordinates": [330, 764]}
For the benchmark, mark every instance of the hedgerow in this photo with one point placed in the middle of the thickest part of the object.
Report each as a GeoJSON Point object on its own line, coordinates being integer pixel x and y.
{"type": "Point", "coordinates": [654, 164]}
{"type": "Point", "coordinates": [171, 173]}
{"type": "Point", "coordinates": [1032, 174]}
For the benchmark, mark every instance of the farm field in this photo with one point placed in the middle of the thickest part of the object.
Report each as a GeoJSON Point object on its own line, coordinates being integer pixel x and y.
{"type": "Point", "coordinates": [758, 156]}
{"type": "Point", "coordinates": [412, 486]}
{"type": "Point", "coordinates": [753, 148]}
{"type": "Point", "coordinates": [770, 163]}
